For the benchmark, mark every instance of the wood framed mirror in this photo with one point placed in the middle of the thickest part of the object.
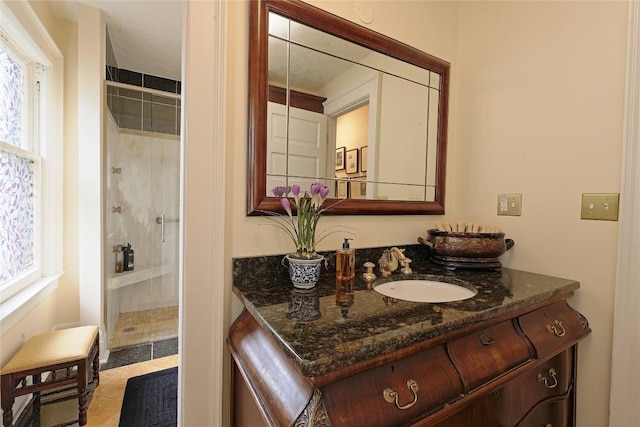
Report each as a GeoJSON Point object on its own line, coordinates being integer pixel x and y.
{"type": "Point", "coordinates": [318, 82]}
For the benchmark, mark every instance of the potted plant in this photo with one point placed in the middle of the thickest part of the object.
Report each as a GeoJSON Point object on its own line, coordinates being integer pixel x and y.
{"type": "Point", "coordinates": [303, 211]}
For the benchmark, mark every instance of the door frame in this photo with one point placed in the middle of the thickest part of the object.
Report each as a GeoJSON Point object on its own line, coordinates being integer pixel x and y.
{"type": "Point", "coordinates": [625, 372]}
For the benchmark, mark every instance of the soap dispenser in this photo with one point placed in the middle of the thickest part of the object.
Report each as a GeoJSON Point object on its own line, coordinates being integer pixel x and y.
{"type": "Point", "coordinates": [345, 261]}
{"type": "Point", "coordinates": [130, 257]}
{"type": "Point", "coordinates": [127, 257]}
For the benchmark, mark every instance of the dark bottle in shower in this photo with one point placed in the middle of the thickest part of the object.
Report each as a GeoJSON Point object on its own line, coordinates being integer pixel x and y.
{"type": "Point", "coordinates": [127, 257]}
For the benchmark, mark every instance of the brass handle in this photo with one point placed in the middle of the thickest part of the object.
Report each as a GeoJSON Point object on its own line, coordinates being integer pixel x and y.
{"type": "Point", "coordinates": [557, 329]}
{"type": "Point", "coordinates": [552, 374]}
{"type": "Point", "coordinates": [486, 338]}
{"type": "Point", "coordinates": [392, 397]}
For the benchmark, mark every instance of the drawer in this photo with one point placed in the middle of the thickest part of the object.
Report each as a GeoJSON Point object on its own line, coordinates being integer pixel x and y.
{"type": "Point", "coordinates": [553, 328]}
{"type": "Point", "coordinates": [551, 379]}
{"type": "Point", "coordinates": [526, 400]}
{"type": "Point", "coordinates": [556, 412]}
{"type": "Point", "coordinates": [385, 396]}
{"type": "Point", "coordinates": [488, 353]}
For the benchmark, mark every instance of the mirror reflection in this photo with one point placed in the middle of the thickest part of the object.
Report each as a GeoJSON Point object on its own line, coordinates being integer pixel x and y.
{"type": "Point", "coordinates": [333, 101]}
{"type": "Point", "coordinates": [371, 131]}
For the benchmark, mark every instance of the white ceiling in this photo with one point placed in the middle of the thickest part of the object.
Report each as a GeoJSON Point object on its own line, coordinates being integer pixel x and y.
{"type": "Point", "coordinates": [146, 35]}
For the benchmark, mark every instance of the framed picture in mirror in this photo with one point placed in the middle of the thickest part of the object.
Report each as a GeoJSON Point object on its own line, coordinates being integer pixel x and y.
{"type": "Point", "coordinates": [340, 155]}
{"type": "Point", "coordinates": [352, 161]}
{"type": "Point", "coordinates": [357, 190]}
{"type": "Point", "coordinates": [342, 190]}
{"type": "Point", "coordinates": [363, 158]}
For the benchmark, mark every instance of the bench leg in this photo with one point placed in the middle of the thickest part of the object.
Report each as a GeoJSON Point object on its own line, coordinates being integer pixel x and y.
{"type": "Point", "coordinates": [96, 365]}
{"type": "Point", "coordinates": [7, 401]}
{"type": "Point", "coordinates": [82, 393]}
{"type": "Point", "coordinates": [37, 379]}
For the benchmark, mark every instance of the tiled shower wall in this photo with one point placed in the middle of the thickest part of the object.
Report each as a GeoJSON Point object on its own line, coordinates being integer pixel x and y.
{"type": "Point", "coordinates": [133, 109]}
{"type": "Point", "coordinates": [144, 186]}
{"type": "Point", "coordinates": [136, 110]}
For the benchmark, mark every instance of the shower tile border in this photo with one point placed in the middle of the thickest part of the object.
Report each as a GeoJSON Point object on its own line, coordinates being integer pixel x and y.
{"type": "Point", "coordinates": [149, 81]}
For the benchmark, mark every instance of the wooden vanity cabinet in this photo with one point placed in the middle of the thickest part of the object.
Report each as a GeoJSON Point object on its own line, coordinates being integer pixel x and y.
{"type": "Point", "coordinates": [518, 369]}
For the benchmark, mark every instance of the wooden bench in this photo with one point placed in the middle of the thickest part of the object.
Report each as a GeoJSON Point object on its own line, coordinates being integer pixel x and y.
{"type": "Point", "coordinates": [70, 356]}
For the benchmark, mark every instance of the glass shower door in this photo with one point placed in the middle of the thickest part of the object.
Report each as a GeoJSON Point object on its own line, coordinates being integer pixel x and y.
{"type": "Point", "coordinates": [142, 200]}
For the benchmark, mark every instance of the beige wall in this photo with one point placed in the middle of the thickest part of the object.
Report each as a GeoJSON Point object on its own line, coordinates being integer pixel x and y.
{"type": "Point", "coordinates": [537, 98]}
{"type": "Point", "coordinates": [540, 110]}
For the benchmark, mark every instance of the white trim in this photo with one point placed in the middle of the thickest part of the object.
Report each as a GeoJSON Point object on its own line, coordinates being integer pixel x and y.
{"type": "Point", "coordinates": [91, 66]}
{"type": "Point", "coordinates": [32, 25]}
{"type": "Point", "coordinates": [18, 30]}
{"type": "Point", "coordinates": [625, 371]}
{"type": "Point", "coordinates": [48, 233]}
{"type": "Point", "coordinates": [23, 302]}
{"type": "Point", "coordinates": [203, 258]}
{"type": "Point", "coordinates": [363, 92]}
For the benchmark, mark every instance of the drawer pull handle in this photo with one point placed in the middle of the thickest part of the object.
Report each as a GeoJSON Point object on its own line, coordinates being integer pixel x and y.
{"type": "Point", "coordinates": [558, 330]}
{"type": "Point", "coordinates": [392, 397]}
{"type": "Point", "coordinates": [552, 374]}
{"type": "Point", "coordinates": [486, 338]}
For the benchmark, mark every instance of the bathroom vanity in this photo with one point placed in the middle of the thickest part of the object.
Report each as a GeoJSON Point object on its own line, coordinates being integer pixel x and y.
{"type": "Point", "coordinates": [342, 354]}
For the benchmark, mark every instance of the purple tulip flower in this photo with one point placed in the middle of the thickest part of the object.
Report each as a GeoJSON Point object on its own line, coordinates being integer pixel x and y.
{"type": "Point", "coordinates": [286, 204]}
{"type": "Point", "coordinates": [315, 188]}
{"type": "Point", "coordinates": [278, 191]}
{"type": "Point", "coordinates": [308, 206]}
{"type": "Point", "coordinates": [324, 192]}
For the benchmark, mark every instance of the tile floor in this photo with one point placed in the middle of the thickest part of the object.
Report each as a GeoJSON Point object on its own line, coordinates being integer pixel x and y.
{"type": "Point", "coordinates": [142, 342]}
{"type": "Point", "coordinates": [144, 326]}
{"type": "Point", "coordinates": [104, 410]}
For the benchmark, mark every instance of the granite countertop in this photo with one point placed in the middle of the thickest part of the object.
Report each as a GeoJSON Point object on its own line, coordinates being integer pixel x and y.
{"type": "Point", "coordinates": [337, 323]}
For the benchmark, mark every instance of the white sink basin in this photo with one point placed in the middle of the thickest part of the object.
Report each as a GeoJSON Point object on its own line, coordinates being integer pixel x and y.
{"type": "Point", "coordinates": [421, 290]}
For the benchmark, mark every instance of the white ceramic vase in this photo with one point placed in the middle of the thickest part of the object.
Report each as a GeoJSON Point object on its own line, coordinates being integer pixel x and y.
{"type": "Point", "coordinates": [304, 273]}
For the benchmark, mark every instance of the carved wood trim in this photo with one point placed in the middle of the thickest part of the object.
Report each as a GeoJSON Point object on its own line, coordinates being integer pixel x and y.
{"type": "Point", "coordinates": [315, 413]}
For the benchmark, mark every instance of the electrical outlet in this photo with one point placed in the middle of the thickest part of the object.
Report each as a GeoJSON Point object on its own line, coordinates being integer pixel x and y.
{"type": "Point", "coordinates": [600, 206]}
{"type": "Point", "coordinates": [510, 204]}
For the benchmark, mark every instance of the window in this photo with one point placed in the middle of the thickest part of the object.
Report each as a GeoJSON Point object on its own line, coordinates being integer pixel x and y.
{"type": "Point", "coordinates": [27, 109]}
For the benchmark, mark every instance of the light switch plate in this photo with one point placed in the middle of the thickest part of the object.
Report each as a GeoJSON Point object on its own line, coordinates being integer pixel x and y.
{"type": "Point", "coordinates": [510, 204]}
{"type": "Point", "coordinates": [600, 206]}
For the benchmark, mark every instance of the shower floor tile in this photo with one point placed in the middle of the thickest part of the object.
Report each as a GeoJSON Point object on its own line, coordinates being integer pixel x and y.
{"type": "Point", "coordinates": [141, 353]}
{"type": "Point", "coordinates": [140, 327]}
